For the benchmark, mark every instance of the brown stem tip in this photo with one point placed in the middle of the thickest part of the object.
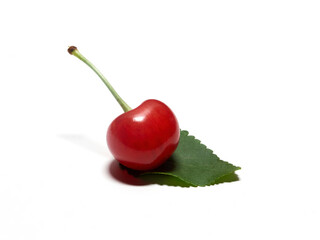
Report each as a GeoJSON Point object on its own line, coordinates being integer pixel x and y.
{"type": "Point", "coordinates": [71, 49]}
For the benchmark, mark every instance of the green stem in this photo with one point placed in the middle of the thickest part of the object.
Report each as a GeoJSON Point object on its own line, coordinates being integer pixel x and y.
{"type": "Point", "coordinates": [74, 51]}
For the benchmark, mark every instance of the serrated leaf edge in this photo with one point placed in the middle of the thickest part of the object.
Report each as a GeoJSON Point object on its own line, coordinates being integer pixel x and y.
{"type": "Point", "coordinates": [206, 148]}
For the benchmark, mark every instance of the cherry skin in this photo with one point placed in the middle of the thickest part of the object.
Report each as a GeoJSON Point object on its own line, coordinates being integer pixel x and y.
{"type": "Point", "coordinates": [142, 138]}
{"type": "Point", "coordinates": [145, 137]}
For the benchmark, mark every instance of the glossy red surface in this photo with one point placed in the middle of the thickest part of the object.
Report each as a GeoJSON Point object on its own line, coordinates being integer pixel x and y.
{"type": "Point", "coordinates": [145, 137]}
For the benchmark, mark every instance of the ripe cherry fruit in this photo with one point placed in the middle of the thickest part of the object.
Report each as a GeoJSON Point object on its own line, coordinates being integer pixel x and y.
{"type": "Point", "coordinates": [142, 138]}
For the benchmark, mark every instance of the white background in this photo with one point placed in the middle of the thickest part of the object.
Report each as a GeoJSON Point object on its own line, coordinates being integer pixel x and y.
{"type": "Point", "coordinates": [242, 76]}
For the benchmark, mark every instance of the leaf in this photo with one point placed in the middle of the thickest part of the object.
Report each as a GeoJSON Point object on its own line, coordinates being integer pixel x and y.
{"type": "Point", "coordinates": [192, 164]}
{"type": "Point", "coordinates": [174, 181]}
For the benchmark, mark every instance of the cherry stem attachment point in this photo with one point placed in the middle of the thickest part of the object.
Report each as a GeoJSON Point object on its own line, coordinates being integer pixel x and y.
{"type": "Point", "coordinates": [75, 52]}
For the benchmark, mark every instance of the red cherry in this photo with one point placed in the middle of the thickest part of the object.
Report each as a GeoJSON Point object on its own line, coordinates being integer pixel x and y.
{"type": "Point", "coordinates": [142, 138]}
{"type": "Point", "coordinates": [145, 137]}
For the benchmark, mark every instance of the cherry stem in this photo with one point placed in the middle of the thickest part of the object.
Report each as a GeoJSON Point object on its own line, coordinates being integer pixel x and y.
{"type": "Point", "coordinates": [74, 51]}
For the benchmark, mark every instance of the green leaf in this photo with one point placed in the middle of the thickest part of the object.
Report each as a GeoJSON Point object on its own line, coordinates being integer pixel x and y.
{"type": "Point", "coordinates": [192, 164]}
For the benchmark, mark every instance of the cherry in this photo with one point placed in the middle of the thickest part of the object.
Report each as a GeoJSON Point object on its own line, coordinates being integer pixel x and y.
{"type": "Point", "coordinates": [142, 138]}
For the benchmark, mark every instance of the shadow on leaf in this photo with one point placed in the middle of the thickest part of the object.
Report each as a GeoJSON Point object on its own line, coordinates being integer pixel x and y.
{"type": "Point", "coordinates": [136, 178]}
